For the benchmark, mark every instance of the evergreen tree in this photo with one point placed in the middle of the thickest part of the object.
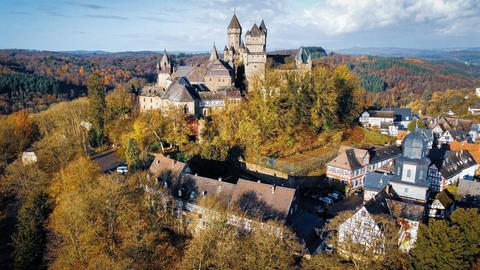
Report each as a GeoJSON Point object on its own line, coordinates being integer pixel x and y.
{"type": "Point", "coordinates": [133, 154]}
{"type": "Point", "coordinates": [453, 244]}
{"type": "Point", "coordinates": [97, 105]}
{"type": "Point", "coordinates": [30, 237]}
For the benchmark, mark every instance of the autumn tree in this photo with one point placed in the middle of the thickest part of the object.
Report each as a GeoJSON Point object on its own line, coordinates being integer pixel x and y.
{"type": "Point", "coordinates": [222, 245]}
{"type": "Point", "coordinates": [100, 222]}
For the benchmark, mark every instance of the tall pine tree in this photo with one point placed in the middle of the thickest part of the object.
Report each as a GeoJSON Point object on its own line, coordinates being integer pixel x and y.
{"type": "Point", "coordinates": [97, 105]}
{"type": "Point", "coordinates": [30, 237]}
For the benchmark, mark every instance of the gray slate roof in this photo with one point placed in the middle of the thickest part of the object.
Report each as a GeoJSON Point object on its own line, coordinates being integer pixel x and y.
{"type": "Point", "coordinates": [180, 91]}
{"type": "Point", "coordinates": [219, 68]}
{"type": "Point", "coordinates": [255, 31]}
{"type": "Point", "coordinates": [454, 162]}
{"type": "Point", "coordinates": [384, 153]}
{"type": "Point", "coordinates": [234, 23]}
{"type": "Point", "coordinates": [376, 181]}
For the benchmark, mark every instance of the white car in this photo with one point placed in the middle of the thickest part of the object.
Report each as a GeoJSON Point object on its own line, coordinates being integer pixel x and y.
{"type": "Point", "coordinates": [326, 200]}
{"type": "Point", "coordinates": [334, 196]}
{"type": "Point", "coordinates": [122, 169]}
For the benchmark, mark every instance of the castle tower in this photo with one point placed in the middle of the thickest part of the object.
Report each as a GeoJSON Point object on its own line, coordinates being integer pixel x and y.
{"type": "Point", "coordinates": [234, 31]}
{"type": "Point", "coordinates": [164, 70]}
{"type": "Point", "coordinates": [255, 52]}
{"type": "Point", "coordinates": [213, 54]}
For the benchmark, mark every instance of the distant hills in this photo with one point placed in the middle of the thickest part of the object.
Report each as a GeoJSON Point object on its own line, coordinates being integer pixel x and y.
{"type": "Point", "coordinates": [463, 55]}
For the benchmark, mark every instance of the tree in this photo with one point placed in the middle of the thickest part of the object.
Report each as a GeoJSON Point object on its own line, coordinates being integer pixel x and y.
{"type": "Point", "coordinates": [416, 123]}
{"type": "Point", "coordinates": [97, 107]}
{"type": "Point", "coordinates": [133, 155]}
{"type": "Point", "coordinates": [449, 244]}
{"type": "Point", "coordinates": [221, 245]}
{"type": "Point", "coordinates": [29, 239]}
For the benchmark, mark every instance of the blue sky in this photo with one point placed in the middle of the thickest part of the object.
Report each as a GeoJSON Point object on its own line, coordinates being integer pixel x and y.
{"type": "Point", "coordinates": [193, 25]}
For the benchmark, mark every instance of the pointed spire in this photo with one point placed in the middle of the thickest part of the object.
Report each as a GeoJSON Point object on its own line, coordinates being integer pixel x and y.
{"type": "Point", "coordinates": [263, 27]}
{"type": "Point", "coordinates": [213, 54]}
{"type": "Point", "coordinates": [165, 62]}
{"type": "Point", "coordinates": [234, 23]}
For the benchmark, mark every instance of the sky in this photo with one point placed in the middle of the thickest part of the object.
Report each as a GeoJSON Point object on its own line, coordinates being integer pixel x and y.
{"type": "Point", "coordinates": [194, 25]}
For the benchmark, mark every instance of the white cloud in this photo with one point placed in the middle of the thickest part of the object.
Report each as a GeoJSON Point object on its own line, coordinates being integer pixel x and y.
{"type": "Point", "coordinates": [346, 16]}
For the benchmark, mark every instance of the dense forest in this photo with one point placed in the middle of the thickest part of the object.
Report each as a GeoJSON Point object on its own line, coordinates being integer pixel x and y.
{"type": "Point", "coordinates": [395, 81]}
{"type": "Point", "coordinates": [34, 80]}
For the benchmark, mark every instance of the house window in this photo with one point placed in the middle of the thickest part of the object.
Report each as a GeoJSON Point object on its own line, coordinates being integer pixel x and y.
{"type": "Point", "coordinates": [409, 173]}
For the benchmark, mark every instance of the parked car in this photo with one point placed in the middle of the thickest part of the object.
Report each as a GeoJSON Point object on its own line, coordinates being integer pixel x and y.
{"type": "Point", "coordinates": [334, 196]}
{"type": "Point", "coordinates": [122, 169]}
{"type": "Point", "coordinates": [326, 200]}
{"type": "Point", "coordinates": [338, 192]}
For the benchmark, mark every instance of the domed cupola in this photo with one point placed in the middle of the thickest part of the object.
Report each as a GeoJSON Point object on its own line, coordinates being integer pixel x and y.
{"type": "Point", "coordinates": [415, 145]}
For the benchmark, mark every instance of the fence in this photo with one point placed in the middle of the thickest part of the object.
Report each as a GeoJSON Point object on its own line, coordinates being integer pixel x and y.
{"type": "Point", "coordinates": [298, 164]}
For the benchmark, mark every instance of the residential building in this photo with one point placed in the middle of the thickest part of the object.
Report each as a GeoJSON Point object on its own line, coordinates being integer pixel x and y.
{"type": "Point", "coordinates": [450, 168]}
{"type": "Point", "coordinates": [257, 200]}
{"type": "Point", "coordinates": [411, 168]}
{"type": "Point", "coordinates": [474, 132]}
{"type": "Point", "coordinates": [442, 206]}
{"type": "Point", "coordinates": [403, 116]}
{"type": "Point", "coordinates": [371, 119]}
{"type": "Point", "coordinates": [363, 229]}
{"type": "Point", "coordinates": [351, 164]}
{"type": "Point", "coordinates": [387, 120]}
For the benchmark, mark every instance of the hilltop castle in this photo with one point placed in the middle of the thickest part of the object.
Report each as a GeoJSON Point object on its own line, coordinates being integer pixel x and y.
{"type": "Point", "coordinates": [200, 89]}
{"type": "Point", "coordinates": [252, 53]}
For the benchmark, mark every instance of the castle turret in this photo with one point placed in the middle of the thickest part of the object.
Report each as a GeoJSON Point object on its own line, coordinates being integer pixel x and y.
{"type": "Point", "coordinates": [234, 33]}
{"type": "Point", "coordinates": [164, 70]}
{"type": "Point", "coordinates": [263, 27]}
{"type": "Point", "coordinates": [165, 65]}
{"type": "Point", "coordinates": [213, 54]}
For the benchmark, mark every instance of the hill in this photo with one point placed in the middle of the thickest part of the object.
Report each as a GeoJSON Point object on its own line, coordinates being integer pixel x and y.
{"type": "Point", "coordinates": [461, 55]}
{"type": "Point", "coordinates": [399, 81]}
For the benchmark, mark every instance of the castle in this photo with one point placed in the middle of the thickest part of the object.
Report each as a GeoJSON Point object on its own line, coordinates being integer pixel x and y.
{"type": "Point", "coordinates": [252, 53]}
{"type": "Point", "coordinates": [199, 89]}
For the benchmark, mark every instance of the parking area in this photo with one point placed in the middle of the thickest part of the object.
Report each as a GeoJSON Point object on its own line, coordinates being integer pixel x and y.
{"type": "Point", "coordinates": [314, 210]}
